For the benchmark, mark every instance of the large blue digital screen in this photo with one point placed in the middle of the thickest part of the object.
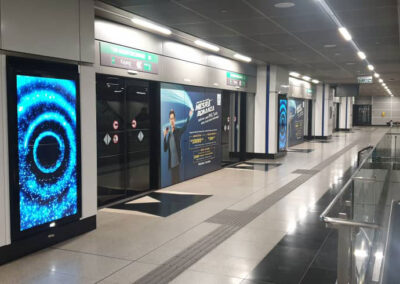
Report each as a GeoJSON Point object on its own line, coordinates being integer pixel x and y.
{"type": "Point", "coordinates": [282, 124]}
{"type": "Point", "coordinates": [47, 149]}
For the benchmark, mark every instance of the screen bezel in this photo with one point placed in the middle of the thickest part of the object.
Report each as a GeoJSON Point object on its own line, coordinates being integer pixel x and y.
{"type": "Point", "coordinates": [38, 68]}
{"type": "Point", "coordinates": [282, 97]}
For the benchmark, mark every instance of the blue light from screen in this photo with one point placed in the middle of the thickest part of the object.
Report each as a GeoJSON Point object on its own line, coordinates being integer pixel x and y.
{"type": "Point", "coordinates": [282, 124]}
{"type": "Point", "coordinates": [46, 109]}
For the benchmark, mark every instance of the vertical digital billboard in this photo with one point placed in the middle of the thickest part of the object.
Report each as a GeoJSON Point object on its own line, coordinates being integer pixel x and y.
{"type": "Point", "coordinates": [282, 123]}
{"type": "Point", "coordinates": [44, 144]}
{"type": "Point", "coordinates": [296, 122]}
{"type": "Point", "coordinates": [190, 132]}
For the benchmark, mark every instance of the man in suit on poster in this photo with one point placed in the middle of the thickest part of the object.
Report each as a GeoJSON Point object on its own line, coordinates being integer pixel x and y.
{"type": "Point", "coordinates": [172, 144]}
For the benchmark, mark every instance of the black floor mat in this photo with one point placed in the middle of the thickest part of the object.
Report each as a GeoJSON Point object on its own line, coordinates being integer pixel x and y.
{"type": "Point", "coordinates": [255, 166]}
{"type": "Point", "coordinates": [169, 203]}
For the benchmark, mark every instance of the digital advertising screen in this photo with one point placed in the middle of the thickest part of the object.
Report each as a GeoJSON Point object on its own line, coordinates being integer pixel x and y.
{"type": "Point", "coordinates": [296, 122]}
{"type": "Point", "coordinates": [282, 123]}
{"type": "Point", "coordinates": [190, 132]}
{"type": "Point", "coordinates": [44, 126]}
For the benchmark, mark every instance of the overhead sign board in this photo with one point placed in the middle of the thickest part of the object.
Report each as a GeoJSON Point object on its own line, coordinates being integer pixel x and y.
{"type": "Point", "coordinates": [365, 80]}
{"type": "Point", "coordinates": [236, 79]}
{"type": "Point", "coordinates": [128, 58]}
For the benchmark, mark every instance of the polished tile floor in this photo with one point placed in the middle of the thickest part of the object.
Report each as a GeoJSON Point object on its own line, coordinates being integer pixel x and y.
{"type": "Point", "coordinates": [277, 239]}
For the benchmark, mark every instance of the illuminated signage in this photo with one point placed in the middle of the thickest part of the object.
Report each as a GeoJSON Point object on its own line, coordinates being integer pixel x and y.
{"type": "Point", "coordinates": [128, 58]}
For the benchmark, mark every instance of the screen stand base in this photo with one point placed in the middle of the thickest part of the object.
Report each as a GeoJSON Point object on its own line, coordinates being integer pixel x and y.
{"type": "Point", "coordinates": [46, 239]}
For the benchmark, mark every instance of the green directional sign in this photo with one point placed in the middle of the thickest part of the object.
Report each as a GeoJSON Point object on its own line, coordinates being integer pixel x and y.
{"type": "Point", "coordinates": [365, 79]}
{"type": "Point", "coordinates": [236, 79]}
{"type": "Point", "coordinates": [128, 58]}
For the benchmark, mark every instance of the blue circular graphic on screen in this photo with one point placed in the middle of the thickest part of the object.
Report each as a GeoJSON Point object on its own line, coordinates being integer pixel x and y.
{"type": "Point", "coordinates": [282, 124]}
{"type": "Point", "coordinates": [47, 149]}
{"type": "Point", "coordinates": [60, 158]}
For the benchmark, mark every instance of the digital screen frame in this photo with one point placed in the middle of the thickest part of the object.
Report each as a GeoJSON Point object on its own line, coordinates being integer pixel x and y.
{"type": "Point", "coordinates": [282, 123]}
{"type": "Point", "coordinates": [44, 145]}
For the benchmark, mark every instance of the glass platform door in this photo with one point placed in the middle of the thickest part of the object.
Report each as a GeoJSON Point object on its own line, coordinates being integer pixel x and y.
{"type": "Point", "coordinates": [123, 132]}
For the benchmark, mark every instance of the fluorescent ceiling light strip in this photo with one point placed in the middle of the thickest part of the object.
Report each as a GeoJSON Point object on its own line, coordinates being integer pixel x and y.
{"type": "Point", "coordinates": [307, 78]}
{"type": "Point", "coordinates": [294, 74]}
{"type": "Point", "coordinates": [315, 81]}
{"type": "Point", "coordinates": [345, 33]}
{"type": "Point", "coordinates": [242, 57]}
{"type": "Point", "coordinates": [151, 26]}
{"type": "Point", "coordinates": [371, 67]}
{"type": "Point", "coordinates": [361, 55]}
{"type": "Point", "coordinates": [376, 75]}
{"type": "Point", "coordinates": [206, 45]}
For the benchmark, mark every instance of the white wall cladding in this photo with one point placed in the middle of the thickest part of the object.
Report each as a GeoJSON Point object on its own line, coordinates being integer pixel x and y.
{"type": "Point", "coordinates": [390, 106]}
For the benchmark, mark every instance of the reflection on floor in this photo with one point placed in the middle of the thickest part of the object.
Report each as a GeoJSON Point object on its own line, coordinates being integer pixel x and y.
{"type": "Point", "coordinates": [250, 227]}
{"type": "Point", "coordinates": [300, 150]}
{"type": "Point", "coordinates": [310, 243]}
{"type": "Point", "coordinates": [161, 204]}
{"type": "Point", "coordinates": [321, 141]}
{"type": "Point", "coordinates": [255, 166]}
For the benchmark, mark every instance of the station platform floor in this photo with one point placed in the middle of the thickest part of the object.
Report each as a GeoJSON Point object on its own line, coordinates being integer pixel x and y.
{"type": "Point", "coordinates": [255, 222]}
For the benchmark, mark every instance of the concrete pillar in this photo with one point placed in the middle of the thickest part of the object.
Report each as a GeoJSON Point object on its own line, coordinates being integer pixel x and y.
{"type": "Point", "coordinates": [260, 110]}
{"type": "Point", "coordinates": [323, 104]}
{"type": "Point", "coordinates": [346, 113]}
{"type": "Point", "coordinates": [271, 81]}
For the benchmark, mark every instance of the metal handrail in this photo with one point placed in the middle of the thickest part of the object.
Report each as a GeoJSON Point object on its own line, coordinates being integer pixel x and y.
{"type": "Point", "coordinates": [345, 222]}
{"type": "Point", "coordinates": [369, 147]}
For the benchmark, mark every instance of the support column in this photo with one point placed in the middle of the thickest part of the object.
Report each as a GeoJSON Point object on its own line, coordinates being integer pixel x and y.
{"type": "Point", "coordinates": [346, 113]}
{"type": "Point", "coordinates": [323, 104]}
{"type": "Point", "coordinates": [271, 81]}
{"type": "Point", "coordinates": [260, 110]}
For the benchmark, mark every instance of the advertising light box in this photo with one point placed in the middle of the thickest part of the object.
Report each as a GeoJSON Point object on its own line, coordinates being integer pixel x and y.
{"type": "Point", "coordinates": [191, 132]}
{"type": "Point", "coordinates": [295, 122]}
{"type": "Point", "coordinates": [282, 123]}
{"type": "Point", "coordinates": [44, 144]}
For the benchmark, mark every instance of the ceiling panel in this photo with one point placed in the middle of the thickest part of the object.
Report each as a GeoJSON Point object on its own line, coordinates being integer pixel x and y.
{"type": "Point", "coordinates": [340, 5]}
{"type": "Point", "coordinates": [305, 23]}
{"type": "Point", "coordinates": [295, 37]}
{"type": "Point", "coordinates": [253, 26]}
{"type": "Point", "coordinates": [221, 10]}
{"type": "Point", "coordinates": [383, 16]}
{"type": "Point", "coordinates": [203, 30]}
{"type": "Point", "coordinates": [302, 8]}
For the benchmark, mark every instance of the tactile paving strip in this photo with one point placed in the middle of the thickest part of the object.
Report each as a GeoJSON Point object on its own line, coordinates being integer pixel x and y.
{"type": "Point", "coordinates": [305, 172]}
{"type": "Point", "coordinates": [231, 221]}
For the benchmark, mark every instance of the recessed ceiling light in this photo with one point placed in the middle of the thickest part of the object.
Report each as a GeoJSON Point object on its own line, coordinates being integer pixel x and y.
{"type": "Point", "coordinates": [330, 45]}
{"type": "Point", "coordinates": [307, 78]}
{"type": "Point", "coordinates": [361, 55]}
{"type": "Point", "coordinates": [284, 5]}
{"type": "Point", "coordinates": [380, 81]}
{"type": "Point", "coordinates": [207, 45]}
{"type": "Point", "coordinates": [371, 67]}
{"type": "Point", "coordinates": [345, 33]}
{"type": "Point", "coordinates": [376, 75]}
{"type": "Point", "coordinates": [242, 57]}
{"type": "Point", "coordinates": [294, 74]}
{"type": "Point", "coordinates": [151, 26]}
{"type": "Point", "coordinates": [315, 81]}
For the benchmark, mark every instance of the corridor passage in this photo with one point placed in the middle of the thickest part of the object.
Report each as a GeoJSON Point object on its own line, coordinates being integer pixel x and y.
{"type": "Point", "coordinates": [253, 222]}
